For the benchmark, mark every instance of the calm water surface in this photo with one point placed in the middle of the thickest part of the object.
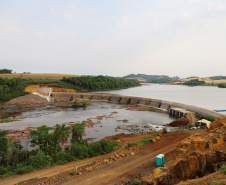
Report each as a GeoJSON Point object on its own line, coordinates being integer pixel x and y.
{"type": "Point", "coordinates": [209, 97]}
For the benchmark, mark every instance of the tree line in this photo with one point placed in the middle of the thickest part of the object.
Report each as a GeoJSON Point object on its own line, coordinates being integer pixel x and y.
{"type": "Point", "coordinates": [222, 85]}
{"type": "Point", "coordinates": [48, 144]}
{"type": "Point", "coordinates": [12, 88]}
{"type": "Point", "coordinates": [6, 71]}
{"type": "Point", "coordinates": [154, 78]}
{"type": "Point", "coordinates": [101, 82]}
{"type": "Point", "coordinates": [194, 82]}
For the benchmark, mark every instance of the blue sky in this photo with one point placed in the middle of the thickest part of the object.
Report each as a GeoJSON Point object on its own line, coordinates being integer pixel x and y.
{"type": "Point", "coordinates": [114, 37]}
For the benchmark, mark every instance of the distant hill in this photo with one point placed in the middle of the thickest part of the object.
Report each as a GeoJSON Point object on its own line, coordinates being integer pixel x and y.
{"type": "Point", "coordinates": [208, 80]}
{"type": "Point", "coordinates": [153, 78]}
{"type": "Point", "coordinates": [218, 77]}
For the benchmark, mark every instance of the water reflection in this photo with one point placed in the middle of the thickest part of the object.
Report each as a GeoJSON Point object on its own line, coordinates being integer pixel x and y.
{"type": "Point", "coordinates": [210, 97]}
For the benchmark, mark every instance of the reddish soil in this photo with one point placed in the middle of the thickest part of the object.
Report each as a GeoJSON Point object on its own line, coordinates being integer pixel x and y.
{"type": "Point", "coordinates": [214, 178]}
{"type": "Point", "coordinates": [143, 108]}
{"type": "Point", "coordinates": [179, 123]}
{"type": "Point", "coordinates": [140, 161]}
{"type": "Point", "coordinates": [31, 88]}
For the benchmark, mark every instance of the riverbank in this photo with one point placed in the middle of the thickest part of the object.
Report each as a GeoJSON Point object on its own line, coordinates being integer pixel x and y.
{"type": "Point", "coordinates": [101, 119]}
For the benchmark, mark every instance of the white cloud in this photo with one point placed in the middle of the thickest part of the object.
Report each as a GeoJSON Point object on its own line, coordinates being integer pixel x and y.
{"type": "Point", "coordinates": [39, 34]}
{"type": "Point", "coordinates": [53, 27]}
{"type": "Point", "coordinates": [52, 10]}
{"type": "Point", "coordinates": [220, 6]}
{"type": "Point", "coordinates": [186, 15]}
{"type": "Point", "coordinates": [67, 15]}
{"type": "Point", "coordinates": [124, 21]}
{"type": "Point", "coordinates": [9, 25]}
{"type": "Point", "coordinates": [92, 10]}
{"type": "Point", "coordinates": [72, 5]}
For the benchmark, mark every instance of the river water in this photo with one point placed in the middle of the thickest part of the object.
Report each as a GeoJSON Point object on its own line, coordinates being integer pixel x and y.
{"type": "Point", "coordinates": [210, 97]}
{"type": "Point", "coordinates": [108, 119]}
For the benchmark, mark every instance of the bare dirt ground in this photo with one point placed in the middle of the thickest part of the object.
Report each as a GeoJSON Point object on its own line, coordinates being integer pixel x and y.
{"type": "Point", "coordinates": [28, 99]}
{"type": "Point", "coordinates": [211, 179]}
{"type": "Point", "coordinates": [32, 88]}
{"type": "Point", "coordinates": [132, 166]}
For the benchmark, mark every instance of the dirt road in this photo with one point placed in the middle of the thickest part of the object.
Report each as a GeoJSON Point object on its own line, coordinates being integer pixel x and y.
{"type": "Point", "coordinates": [114, 172]}
{"type": "Point", "coordinates": [109, 174]}
{"type": "Point", "coordinates": [120, 169]}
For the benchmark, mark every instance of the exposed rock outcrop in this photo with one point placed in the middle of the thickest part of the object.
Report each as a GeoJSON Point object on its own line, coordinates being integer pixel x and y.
{"type": "Point", "coordinates": [198, 155]}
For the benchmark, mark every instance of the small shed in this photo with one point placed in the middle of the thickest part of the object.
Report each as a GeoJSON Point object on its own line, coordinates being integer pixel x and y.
{"type": "Point", "coordinates": [205, 122]}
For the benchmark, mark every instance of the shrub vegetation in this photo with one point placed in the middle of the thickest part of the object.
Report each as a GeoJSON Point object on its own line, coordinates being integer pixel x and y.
{"type": "Point", "coordinates": [194, 82]}
{"type": "Point", "coordinates": [49, 149]}
{"type": "Point", "coordinates": [222, 85]}
{"type": "Point", "coordinates": [143, 141]}
{"type": "Point", "coordinates": [209, 118]}
{"type": "Point", "coordinates": [223, 169]}
{"type": "Point", "coordinates": [6, 71]}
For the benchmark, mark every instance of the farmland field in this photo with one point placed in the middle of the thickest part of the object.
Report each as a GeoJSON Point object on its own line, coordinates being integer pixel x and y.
{"type": "Point", "coordinates": [36, 76]}
{"type": "Point", "coordinates": [207, 80]}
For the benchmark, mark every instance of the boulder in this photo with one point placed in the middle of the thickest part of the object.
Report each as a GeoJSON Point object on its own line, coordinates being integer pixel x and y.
{"type": "Point", "coordinates": [157, 138]}
{"type": "Point", "coordinates": [89, 169]}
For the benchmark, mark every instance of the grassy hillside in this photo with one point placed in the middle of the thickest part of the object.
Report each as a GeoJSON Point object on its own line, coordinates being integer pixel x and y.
{"type": "Point", "coordinates": [153, 78]}
{"type": "Point", "coordinates": [207, 80]}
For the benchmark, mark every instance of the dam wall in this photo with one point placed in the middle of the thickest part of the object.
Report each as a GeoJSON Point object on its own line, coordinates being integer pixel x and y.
{"type": "Point", "coordinates": [120, 99]}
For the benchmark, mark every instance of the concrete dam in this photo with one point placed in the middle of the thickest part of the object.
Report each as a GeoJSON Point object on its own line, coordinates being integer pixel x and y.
{"type": "Point", "coordinates": [120, 99]}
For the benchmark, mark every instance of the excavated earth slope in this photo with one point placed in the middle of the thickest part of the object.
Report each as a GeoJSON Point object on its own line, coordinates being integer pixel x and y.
{"type": "Point", "coordinates": [199, 155]}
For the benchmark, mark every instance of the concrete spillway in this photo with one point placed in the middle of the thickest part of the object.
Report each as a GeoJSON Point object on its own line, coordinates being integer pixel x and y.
{"type": "Point", "coordinates": [162, 104]}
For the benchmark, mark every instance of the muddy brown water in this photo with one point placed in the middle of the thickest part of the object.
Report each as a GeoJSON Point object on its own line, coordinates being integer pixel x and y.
{"type": "Point", "coordinates": [108, 119]}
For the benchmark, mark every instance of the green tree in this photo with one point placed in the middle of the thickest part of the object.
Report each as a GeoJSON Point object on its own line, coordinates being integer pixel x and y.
{"type": "Point", "coordinates": [222, 85]}
{"type": "Point", "coordinates": [95, 149]}
{"type": "Point", "coordinates": [5, 71]}
{"type": "Point", "coordinates": [43, 138]}
{"type": "Point", "coordinates": [63, 157]}
{"type": "Point", "coordinates": [164, 130]}
{"type": "Point", "coordinates": [61, 134]}
{"type": "Point", "coordinates": [136, 182]}
{"type": "Point", "coordinates": [223, 169]}
{"type": "Point", "coordinates": [77, 132]}
{"type": "Point", "coordinates": [79, 151]}
{"type": "Point", "coordinates": [3, 148]}
{"type": "Point", "coordinates": [194, 82]}
{"type": "Point", "coordinates": [14, 153]}
{"type": "Point", "coordinates": [40, 160]}
{"type": "Point", "coordinates": [106, 146]}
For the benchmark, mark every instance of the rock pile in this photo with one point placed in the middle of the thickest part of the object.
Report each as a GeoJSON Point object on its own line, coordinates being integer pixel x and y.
{"type": "Point", "coordinates": [27, 100]}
